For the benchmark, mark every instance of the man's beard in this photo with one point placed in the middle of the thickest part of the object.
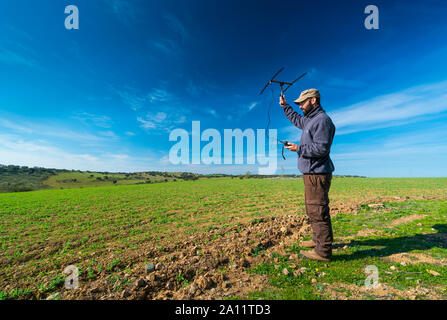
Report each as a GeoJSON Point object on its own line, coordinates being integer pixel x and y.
{"type": "Point", "coordinates": [305, 112]}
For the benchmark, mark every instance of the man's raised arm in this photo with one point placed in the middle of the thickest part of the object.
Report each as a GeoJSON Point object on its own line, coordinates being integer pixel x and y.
{"type": "Point", "coordinates": [291, 114]}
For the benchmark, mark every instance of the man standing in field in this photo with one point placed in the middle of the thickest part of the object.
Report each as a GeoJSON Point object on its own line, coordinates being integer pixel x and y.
{"type": "Point", "coordinates": [316, 166]}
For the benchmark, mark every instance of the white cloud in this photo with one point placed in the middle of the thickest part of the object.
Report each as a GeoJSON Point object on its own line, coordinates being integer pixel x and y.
{"type": "Point", "coordinates": [160, 122]}
{"type": "Point", "coordinates": [159, 117]}
{"type": "Point", "coordinates": [166, 45]}
{"type": "Point", "coordinates": [152, 121]}
{"type": "Point", "coordinates": [212, 112]}
{"type": "Point", "coordinates": [158, 95]}
{"type": "Point", "coordinates": [146, 124]}
{"type": "Point", "coordinates": [137, 101]}
{"type": "Point", "coordinates": [17, 48]}
{"type": "Point", "coordinates": [119, 156]}
{"type": "Point", "coordinates": [290, 133]}
{"type": "Point", "coordinates": [151, 103]}
{"type": "Point", "coordinates": [18, 151]}
{"type": "Point", "coordinates": [108, 134]}
{"type": "Point", "coordinates": [417, 153]}
{"type": "Point", "coordinates": [124, 10]}
{"type": "Point", "coordinates": [165, 161]}
{"type": "Point", "coordinates": [11, 57]}
{"type": "Point", "coordinates": [181, 119]}
{"type": "Point", "coordinates": [177, 26]}
{"type": "Point", "coordinates": [376, 158]}
{"type": "Point", "coordinates": [15, 127]}
{"type": "Point", "coordinates": [55, 131]}
{"type": "Point", "coordinates": [252, 105]}
{"type": "Point", "coordinates": [235, 114]}
{"type": "Point", "coordinates": [92, 119]}
{"type": "Point", "coordinates": [200, 86]}
{"type": "Point", "coordinates": [392, 109]}
{"type": "Point", "coordinates": [29, 152]}
{"type": "Point", "coordinates": [131, 98]}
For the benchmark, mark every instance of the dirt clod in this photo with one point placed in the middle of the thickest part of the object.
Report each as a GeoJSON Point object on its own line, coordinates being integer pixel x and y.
{"type": "Point", "coordinates": [434, 273]}
{"type": "Point", "coordinates": [140, 283]}
{"type": "Point", "coordinates": [125, 294]}
{"type": "Point", "coordinates": [150, 267]}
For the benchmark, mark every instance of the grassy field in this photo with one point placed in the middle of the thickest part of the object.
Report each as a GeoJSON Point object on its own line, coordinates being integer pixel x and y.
{"type": "Point", "coordinates": [102, 229]}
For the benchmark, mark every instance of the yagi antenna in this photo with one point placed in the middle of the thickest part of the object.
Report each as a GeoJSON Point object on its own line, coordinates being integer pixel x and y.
{"type": "Point", "coordinates": [282, 83]}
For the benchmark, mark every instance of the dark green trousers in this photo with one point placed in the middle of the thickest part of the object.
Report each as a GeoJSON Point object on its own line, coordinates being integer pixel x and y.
{"type": "Point", "coordinates": [316, 191]}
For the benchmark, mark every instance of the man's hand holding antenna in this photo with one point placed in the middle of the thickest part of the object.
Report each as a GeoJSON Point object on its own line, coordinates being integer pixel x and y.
{"type": "Point", "coordinates": [282, 100]}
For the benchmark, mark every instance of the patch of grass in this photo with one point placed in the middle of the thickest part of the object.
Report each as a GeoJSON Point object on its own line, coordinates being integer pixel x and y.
{"type": "Point", "coordinates": [182, 280]}
{"type": "Point", "coordinates": [54, 284]}
{"type": "Point", "coordinates": [113, 265]}
{"type": "Point", "coordinates": [3, 295]}
{"type": "Point", "coordinates": [348, 266]}
{"type": "Point", "coordinates": [91, 274]}
{"type": "Point", "coordinates": [257, 250]}
{"type": "Point", "coordinates": [287, 293]}
{"type": "Point", "coordinates": [16, 293]}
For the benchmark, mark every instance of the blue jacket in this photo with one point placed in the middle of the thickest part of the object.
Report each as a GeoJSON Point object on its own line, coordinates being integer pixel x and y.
{"type": "Point", "coordinates": [316, 140]}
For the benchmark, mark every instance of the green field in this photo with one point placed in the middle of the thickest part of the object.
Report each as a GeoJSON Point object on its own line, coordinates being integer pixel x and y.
{"type": "Point", "coordinates": [108, 231]}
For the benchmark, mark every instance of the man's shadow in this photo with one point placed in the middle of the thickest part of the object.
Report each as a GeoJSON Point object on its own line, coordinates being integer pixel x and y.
{"type": "Point", "coordinates": [396, 245]}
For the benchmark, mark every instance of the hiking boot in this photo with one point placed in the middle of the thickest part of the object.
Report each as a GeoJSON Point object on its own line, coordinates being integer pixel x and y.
{"type": "Point", "coordinates": [308, 244]}
{"type": "Point", "coordinates": [313, 255]}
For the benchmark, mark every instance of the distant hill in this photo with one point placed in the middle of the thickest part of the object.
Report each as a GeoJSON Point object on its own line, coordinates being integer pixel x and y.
{"type": "Point", "coordinates": [17, 178]}
{"type": "Point", "coordinates": [20, 178]}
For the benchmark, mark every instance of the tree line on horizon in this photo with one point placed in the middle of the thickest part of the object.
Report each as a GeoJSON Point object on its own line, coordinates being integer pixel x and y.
{"type": "Point", "coordinates": [14, 178]}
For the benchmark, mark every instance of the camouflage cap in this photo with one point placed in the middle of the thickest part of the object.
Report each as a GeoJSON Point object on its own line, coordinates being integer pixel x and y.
{"type": "Point", "coordinates": [306, 94]}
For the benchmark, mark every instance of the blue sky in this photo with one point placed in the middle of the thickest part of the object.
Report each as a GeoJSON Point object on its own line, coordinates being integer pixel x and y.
{"type": "Point", "coordinates": [105, 97]}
